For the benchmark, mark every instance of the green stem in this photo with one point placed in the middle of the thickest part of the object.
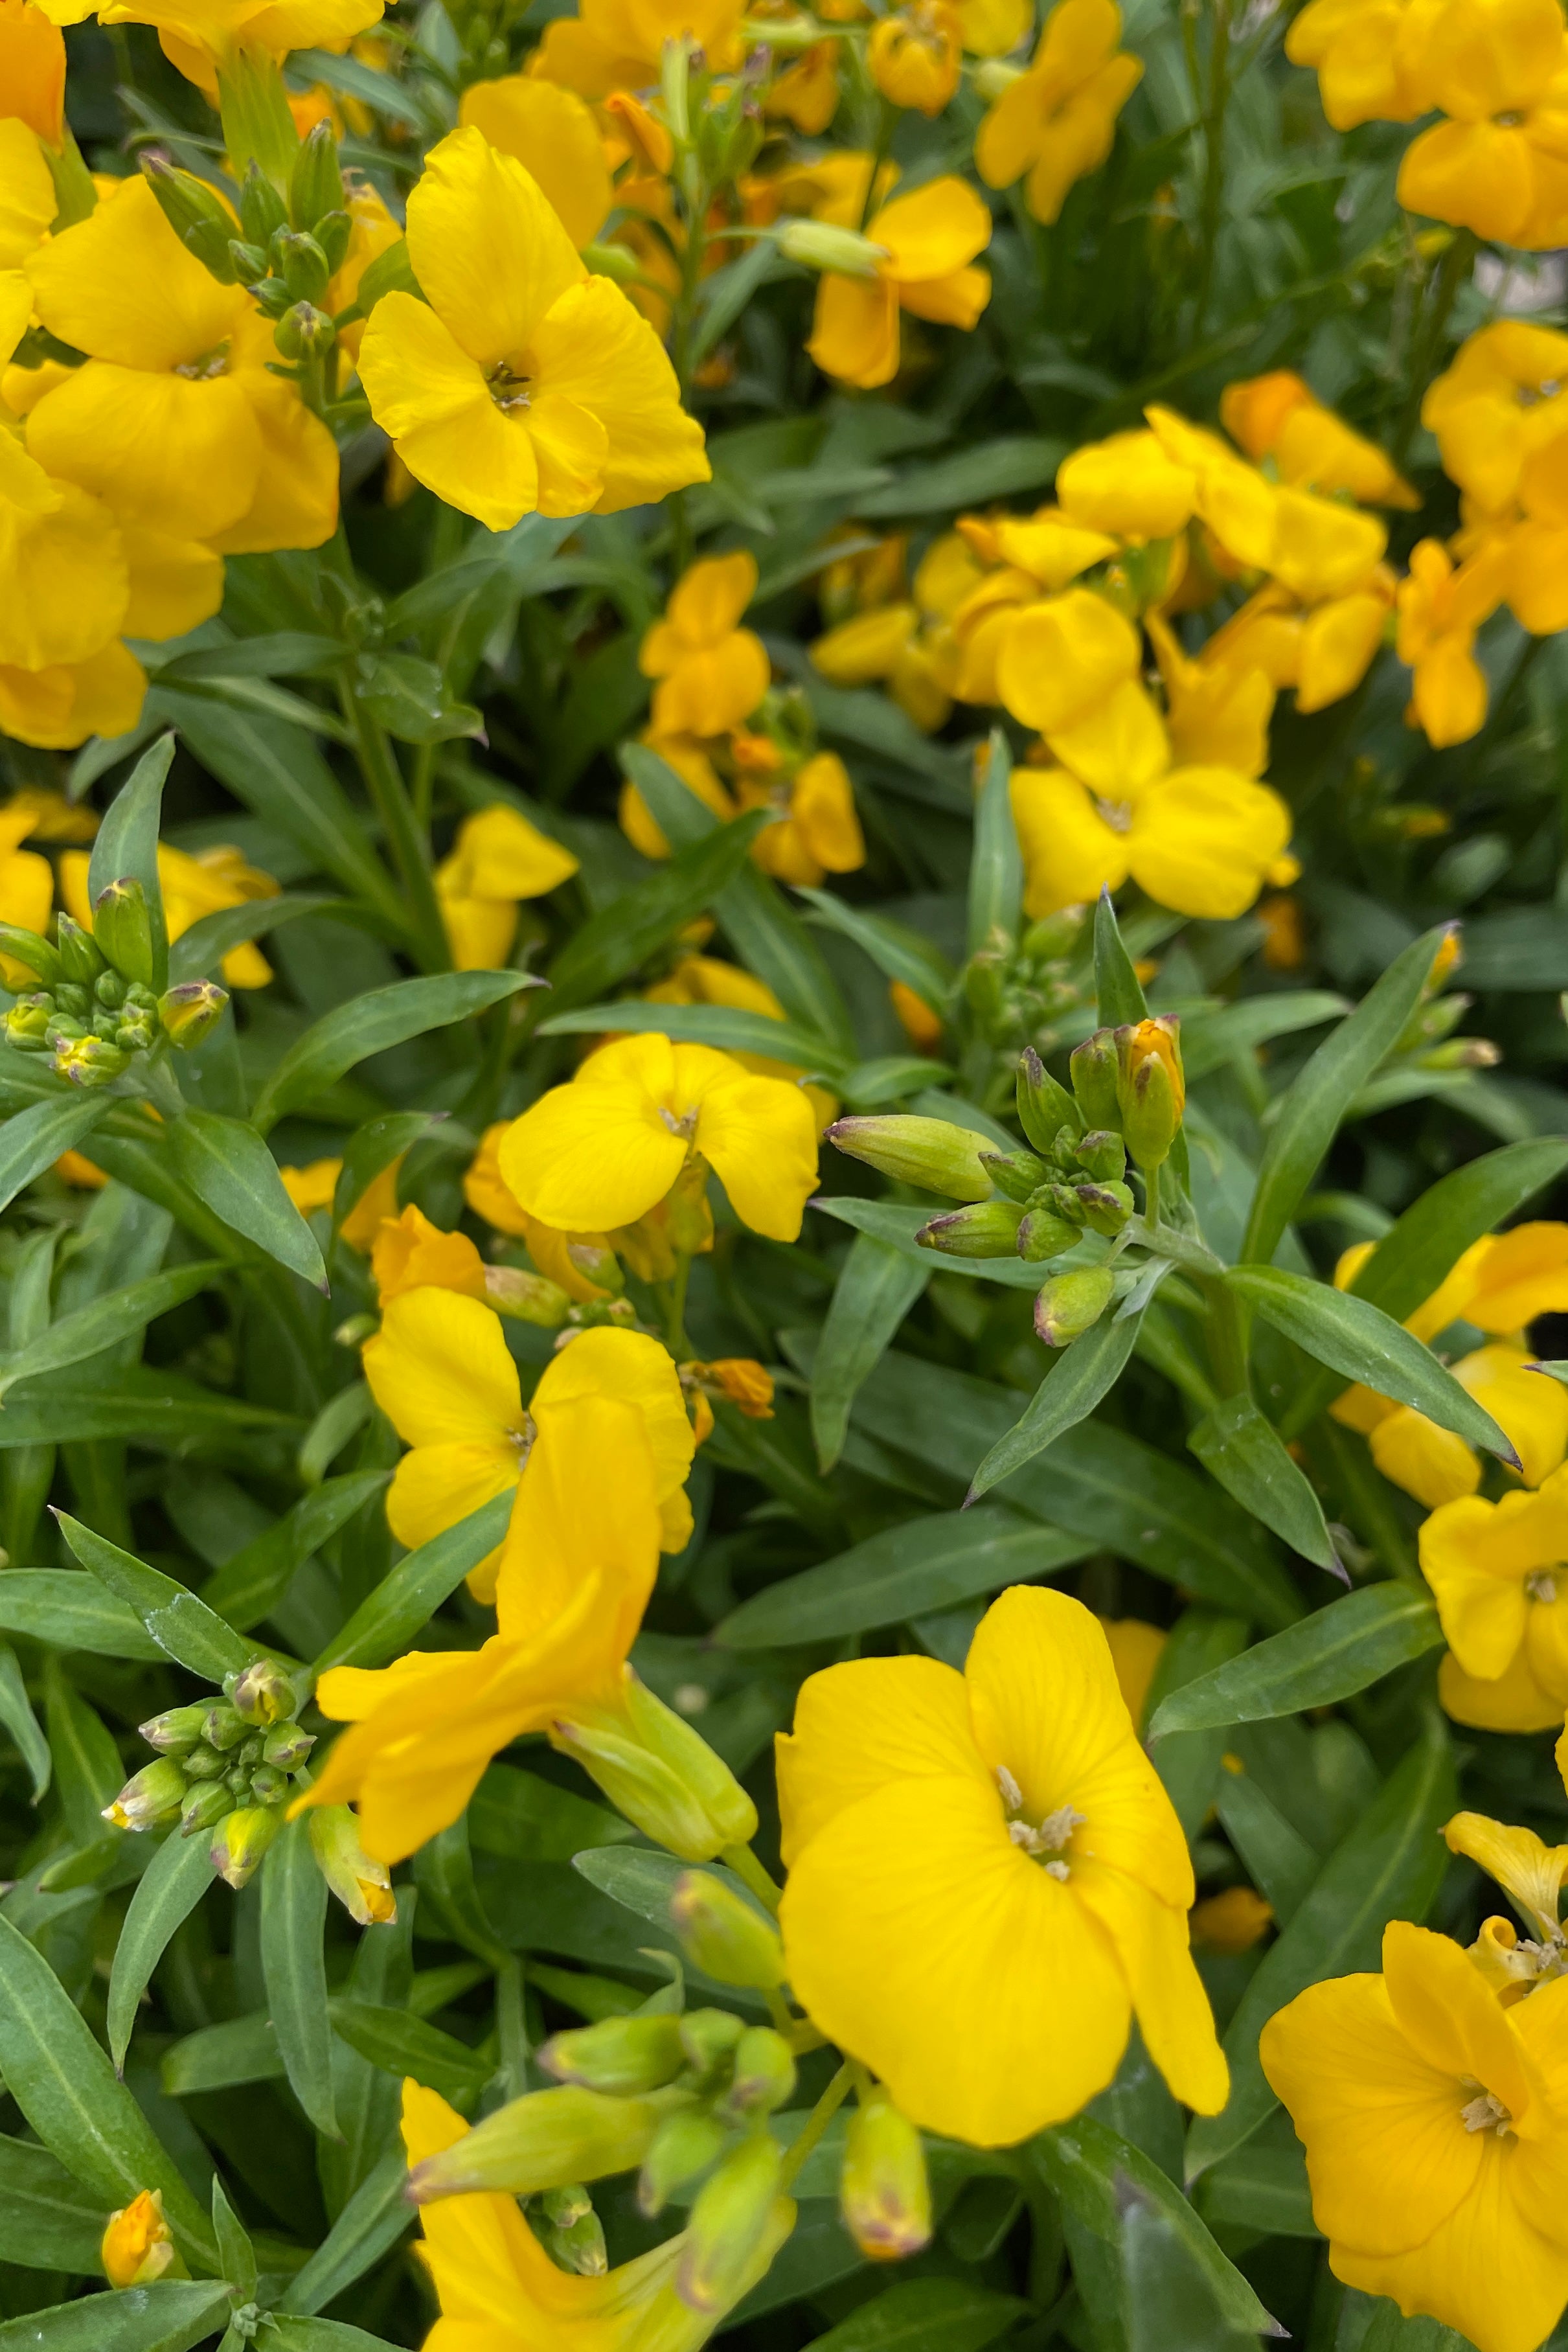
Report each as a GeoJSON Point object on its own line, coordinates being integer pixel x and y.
{"type": "Point", "coordinates": [384, 782]}
{"type": "Point", "coordinates": [1213, 153]}
{"type": "Point", "coordinates": [886, 121]}
{"type": "Point", "coordinates": [1426, 341]}
{"type": "Point", "coordinates": [675, 1338]}
{"type": "Point", "coordinates": [1227, 1339]}
{"type": "Point", "coordinates": [817, 2123]}
{"type": "Point", "coordinates": [750, 1871]}
{"type": "Point", "coordinates": [1152, 1204]}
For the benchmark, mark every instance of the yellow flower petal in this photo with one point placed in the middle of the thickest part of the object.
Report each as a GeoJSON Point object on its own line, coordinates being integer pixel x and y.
{"type": "Point", "coordinates": [553, 134]}
{"type": "Point", "coordinates": [595, 349]}
{"type": "Point", "coordinates": [440, 1370]}
{"type": "Point", "coordinates": [634, 1370]}
{"type": "Point", "coordinates": [866, 1726]}
{"type": "Point", "coordinates": [180, 455]}
{"type": "Point", "coordinates": [487, 247]}
{"type": "Point", "coordinates": [1070, 851]}
{"type": "Point", "coordinates": [597, 1153]}
{"type": "Point", "coordinates": [855, 329]}
{"type": "Point", "coordinates": [120, 285]}
{"type": "Point", "coordinates": [587, 1501]}
{"type": "Point", "coordinates": [432, 398]}
{"type": "Point", "coordinates": [28, 199]}
{"type": "Point", "coordinates": [1153, 1945]}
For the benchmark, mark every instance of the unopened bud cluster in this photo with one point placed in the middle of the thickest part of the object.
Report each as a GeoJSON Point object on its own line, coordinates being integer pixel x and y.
{"type": "Point", "coordinates": [95, 1009]}
{"type": "Point", "coordinates": [1015, 991]}
{"type": "Point", "coordinates": [1428, 1038]}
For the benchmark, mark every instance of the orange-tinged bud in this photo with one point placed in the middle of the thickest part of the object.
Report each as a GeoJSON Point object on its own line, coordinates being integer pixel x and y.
{"type": "Point", "coordinates": [137, 2247]}
{"type": "Point", "coordinates": [1231, 1921]}
{"type": "Point", "coordinates": [362, 1886]}
{"type": "Point", "coordinates": [885, 2193]}
{"type": "Point", "coordinates": [1151, 1088]}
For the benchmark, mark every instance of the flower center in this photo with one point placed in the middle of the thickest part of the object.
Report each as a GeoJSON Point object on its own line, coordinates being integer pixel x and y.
{"type": "Point", "coordinates": [1542, 1587]}
{"type": "Point", "coordinates": [523, 1439]}
{"type": "Point", "coordinates": [1485, 2112]}
{"type": "Point", "coordinates": [1509, 121]}
{"type": "Point", "coordinates": [686, 1126]}
{"type": "Point", "coordinates": [1118, 814]}
{"type": "Point", "coordinates": [508, 390]}
{"type": "Point", "coordinates": [211, 364]}
{"type": "Point", "coordinates": [1048, 1836]}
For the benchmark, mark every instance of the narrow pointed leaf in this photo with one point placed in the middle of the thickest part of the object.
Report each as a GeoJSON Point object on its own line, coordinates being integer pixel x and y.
{"type": "Point", "coordinates": [373, 1023]}
{"type": "Point", "coordinates": [183, 1627]}
{"type": "Point", "coordinates": [170, 2316]}
{"type": "Point", "coordinates": [17, 1715]}
{"type": "Point", "coordinates": [293, 1922]}
{"type": "Point", "coordinates": [226, 1165]}
{"type": "Point", "coordinates": [875, 1292]}
{"type": "Point", "coordinates": [34, 1139]}
{"type": "Point", "coordinates": [1069, 1393]}
{"type": "Point", "coordinates": [169, 1890]}
{"type": "Point", "coordinates": [384, 1624]}
{"type": "Point", "coordinates": [116, 1316]}
{"type": "Point", "coordinates": [1329, 1656]}
{"type": "Point", "coordinates": [126, 847]}
{"type": "Point", "coordinates": [996, 861]}
{"type": "Point", "coordinates": [1243, 1450]}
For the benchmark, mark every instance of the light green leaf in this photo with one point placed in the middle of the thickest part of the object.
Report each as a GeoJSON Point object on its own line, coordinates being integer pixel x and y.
{"type": "Point", "coordinates": [1243, 1450]}
{"type": "Point", "coordinates": [387, 1620]}
{"type": "Point", "coordinates": [200, 951]}
{"type": "Point", "coordinates": [292, 2332]}
{"type": "Point", "coordinates": [875, 1292]}
{"type": "Point", "coordinates": [236, 2256]}
{"type": "Point", "coordinates": [1234, 1032]}
{"type": "Point", "coordinates": [1082, 1374]}
{"type": "Point", "coordinates": [226, 1165]}
{"type": "Point", "coordinates": [1118, 990]}
{"type": "Point", "coordinates": [34, 1139]}
{"type": "Point", "coordinates": [372, 1024]}
{"type": "Point", "coordinates": [241, 2050]}
{"type": "Point", "coordinates": [184, 1628]}
{"type": "Point", "coordinates": [17, 1717]}
{"type": "Point", "coordinates": [996, 862]}
{"type": "Point", "coordinates": [293, 1921]}
{"type": "Point", "coordinates": [620, 938]}
{"type": "Point", "coordinates": [116, 1315]}
{"type": "Point", "coordinates": [1329, 1656]}
{"type": "Point", "coordinates": [126, 847]}
{"type": "Point", "coordinates": [169, 1890]}
{"type": "Point", "coordinates": [897, 952]}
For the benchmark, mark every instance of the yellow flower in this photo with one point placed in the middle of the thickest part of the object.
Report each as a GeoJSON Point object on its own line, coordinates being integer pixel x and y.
{"type": "Point", "coordinates": [27, 883]}
{"type": "Point", "coordinates": [1365, 52]}
{"type": "Point", "coordinates": [551, 133]}
{"type": "Point", "coordinates": [1499, 165]}
{"type": "Point", "coordinates": [191, 887]}
{"type": "Point", "coordinates": [712, 673]}
{"type": "Point", "coordinates": [704, 980]}
{"type": "Point", "coordinates": [411, 1253]}
{"type": "Point", "coordinates": [1440, 609]}
{"type": "Point", "coordinates": [1497, 1571]}
{"type": "Point", "coordinates": [440, 1370]}
{"type": "Point", "coordinates": [603, 1150]}
{"type": "Point", "coordinates": [1232, 1921]}
{"type": "Point", "coordinates": [909, 644]}
{"type": "Point", "coordinates": [32, 70]}
{"type": "Point", "coordinates": [1058, 121]}
{"type": "Point", "coordinates": [497, 860]}
{"type": "Point", "coordinates": [820, 832]}
{"type": "Point", "coordinates": [1218, 707]}
{"type": "Point", "coordinates": [1279, 417]}
{"type": "Point", "coordinates": [1531, 1872]}
{"type": "Point", "coordinates": [500, 2290]}
{"type": "Point", "coordinates": [914, 54]}
{"type": "Point", "coordinates": [137, 2247]}
{"type": "Point", "coordinates": [1499, 403]}
{"type": "Point", "coordinates": [926, 244]}
{"type": "Point", "coordinates": [617, 44]}
{"type": "Point", "coordinates": [987, 1880]}
{"type": "Point", "coordinates": [692, 763]}
{"type": "Point", "coordinates": [1323, 650]}
{"type": "Point", "coordinates": [204, 37]}
{"type": "Point", "coordinates": [1200, 839]}
{"type": "Point", "coordinates": [1435, 2127]}
{"type": "Point", "coordinates": [1135, 1651]}
{"type": "Point", "coordinates": [521, 384]}
{"type": "Point", "coordinates": [315, 1186]}
{"type": "Point", "coordinates": [806, 92]}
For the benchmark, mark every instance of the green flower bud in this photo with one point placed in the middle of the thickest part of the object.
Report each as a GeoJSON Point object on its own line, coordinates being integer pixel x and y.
{"type": "Point", "coordinates": [1014, 1173]}
{"type": "Point", "coordinates": [122, 928]}
{"type": "Point", "coordinates": [304, 332]}
{"type": "Point", "coordinates": [1072, 1304]}
{"type": "Point", "coordinates": [1044, 1235]}
{"type": "Point", "coordinates": [286, 1746]}
{"type": "Point", "coordinates": [109, 991]}
{"type": "Point", "coordinates": [729, 2227]}
{"type": "Point", "coordinates": [89, 1061]}
{"type": "Point", "coordinates": [204, 1763]}
{"type": "Point", "coordinates": [263, 1694]}
{"type": "Point", "coordinates": [1063, 1202]}
{"type": "Point", "coordinates": [724, 1935]}
{"type": "Point", "coordinates": [571, 2232]}
{"type": "Point", "coordinates": [526, 1297]}
{"type": "Point", "coordinates": [191, 1010]}
{"type": "Point", "coordinates": [204, 1807]}
{"type": "Point", "coordinates": [684, 2147]}
{"type": "Point", "coordinates": [242, 1842]}
{"type": "Point", "coordinates": [26, 948]}
{"type": "Point", "coordinates": [315, 182]}
{"type": "Point", "coordinates": [1105, 1155]}
{"type": "Point", "coordinates": [543, 2139]}
{"type": "Point", "coordinates": [1095, 1080]}
{"type": "Point", "coordinates": [626, 2055]}
{"type": "Point", "coordinates": [1106, 1208]}
{"type": "Point", "coordinates": [708, 2037]}
{"type": "Point", "coordinates": [195, 213]}
{"type": "Point", "coordinates": [153, 1794]}
{"type": "Point", "coordinates": [237, 1783]}
{"type": "Point", "coordinates": [333, 232]}
{"type": "Point", "coordinates": [74, 1003]}
{"type": "Point", "coordinates": [884, 2191]}
{"type": "Point", "coordinates": [822, 245]}
{"type": "Point", "coordinates": [80, 957]}
{"type": "Point", "coordinates": [764, 2074]}
{"type": "Point", "coordinates": [364, 1886]}
{"type": "Point", "coordinates": [136, 1035]}
{"type": "Point", "coordinates": [932, 1152]}
{"type": "Point", "coordinates": [269, 1786]}
{"type": "Point", "coordinates": [1152, 1088]}
{"type": "Point", "coordinates": [1045, 1107]}
{"type": "Point", "coordinates": [27, 1023]}
{"type": "Point", "coordinates": [176, 1731]}
{"type": "Point", "coordinates": [261, 208]}
{"type": "Point", "coordinates": [613, 261]}
{"type": "Point", "coordinates": [984, 1229]}
{"type": "Point", "coordinates": [596, 1263]}
{"type": "Point", "coordinates": [249, 262]}
{"type": "Point", "coordinates": [223, 1725]}
{"type": "Point", "coordinates": [661, 1773]}
{"type": "Point", "coordinates": [1054, 936]}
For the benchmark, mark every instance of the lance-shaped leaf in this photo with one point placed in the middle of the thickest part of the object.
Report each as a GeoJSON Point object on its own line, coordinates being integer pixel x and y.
{"type": "Point", "coordinates": [169, 2316]}
{"type": "Point", "coordinates": [1238, 1446]}
{"type": "Point", "coordinates": [169, 1890]}
{"type": "Point", "coordinates": [226, 1165]}
{"type": "Point", "coordinates": [126, 847]}
{"type": "Point", "coordinates": [116, 1316]}
{"type": "Point", "coordinates": [184, 1628]}
{"type": "Point", "coordinates": [1364, 1343]}
{"type": "Point", "coordinates": [17, 1717]}
{"type": "Point", "coordinates": [34, 1139]}
{"type": "Point", "coordinates": [1329, 1656]}
{"type": "Point", "coordinates": [622, 935]}
{"type": "Point", "coordinates": [1082, 1375]}
{"type": "Point", "coordinates": [372, 1024]}
{"type": "Point", "coordinates": [48, 2221]}
{"type": "Point", "coordinates": [248, 1585]}
{"type": "Point", "coordinates": [199, 953]}
{"type": "Point", "coordinates": [728, 1027]}
{"type": "Point", "coordinates": [375, 2217]}
{"type": "Point", "coordinates": [898, 952]}
{"type": "Point", "coordinates": [387, 1620]}
{"type": "Point", "coordinates": [293, 1922]}
{"type": "Point", "coordinates": [401, 2044]}
{"type": "Point", "coordinates": [1118, 990]}
{"type": "Point", "coordinates": [373, 1147]}
{"type": "Point", "coordinates": [996, 861]}
{"type": "Point", "coordinates": [1172, 2297]}
{"type": "Point", "coordinates": [875, 1292]}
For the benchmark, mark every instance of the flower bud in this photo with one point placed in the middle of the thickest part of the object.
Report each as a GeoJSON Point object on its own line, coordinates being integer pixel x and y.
{"type": "Point", "coordinates": [526, 1297]}
{"type": "Point", "coordinates": [74, 1004]}
{"type": "Point", "coordinates": [29, 1023]}
{"type": "Point", "coordinates": [206, 1803]}
{"type": "Point", "coordinates": [262, 1694]}
{"type": "Point", "coordinates": [223, 1725]}
{"type": "Point", "coordinates": [1105, 1155]}
{"type": "Point", "coordinates": [708, 2037]}
{"type": "Point", "coordinates": [541, 2140]}
{"type": "Point", "coordinates": [249, 262]}
{"type": "Point", "coordinates": [684, 2146]}
{"type": "Point", "coordinates": [932, 1152]}
{"type": "Point", "coordinates": [80, 957]}
{"type": "Point", "coordinates": [728, 2225]}
{"type": "Point", "coordinates": [153, 1794]}
{"type": "Point", "coordinates": [626, 2055]}
{"type": "Point", "coordinates": [315, 183]}
{"type": "Point", "coordinates": [287, 1747]}
{"type": "Point", "coordinates": [1044, 1235]}
{"type": "Point", "coordinates": [176, 1731]}
{"type": "Point", "coordinates": [241, 1842]}
{"type": "Point", "coordinates": [1094, 1074]}
{"type": "Point", "coordinates": [363, 1887]}
{"type": "Point", "coordinates": [613, 261]}
{"type": "Point", "coordinates": [195, 213]}
{"type": "Point", "coordinates": [597, 1263]}
{"type": "Point", "coordinates": [821, 245]}
{"type": "Point", "coordinates": [135, 1032]}
{"type": "Point", "coordinates": [1062, 1202]}
{"type": "Point", "coordinates": [690, 1801]}
{"type": "Point", "coordinates": [191, 1010]}
{"type": "Point", "coordinates": [688, 1218]}
{"type": "Point", "coordinates": [1106, 1208]}
{"type": "Point", "coordinates": [1071, 1304]}
{"type": "Point", "coordinates": [572, 2232]}
{"type": "Point", "coordinates": [884, 2192]}
{"type": "Point", "coordinates": [261, 207]}
{"type": "Point", "coordinates": [269, 1786]}
{"type": "Point", "coordinates": [122, 928]}
{"type": "Point", "coordinates": [110, 992]}
{"type": "Point", "coordinates": [334, 234]}
{"type": "Point", "coordinates": [984, 1229]}
{"type": "Point", "coordinates": [1016, 1174]}
{"type": "Point", "coordinates": [204, 1763]}
{"type": "Point", "coordinates": [304, 332]}
{"type": "Point", "coordinates": [1054, 936]}
{"type": "Point", "coordinates": [724, 1935]}
{"type": "Point", "coordinates": [1463, 1053]}
{"type": "Point", "coordinates": [764, 2074]}
{"type": "Point", "coordinates": [1152, 1090]}
{"type": "Point", "coordinates": [26, 948]}
{"type": "Point", "coordinates": [137, 2247]}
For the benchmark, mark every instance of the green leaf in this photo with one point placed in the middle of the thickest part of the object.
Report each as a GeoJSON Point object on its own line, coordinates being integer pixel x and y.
{"type": "Point", "coordinates": [875, 1292]}
{"type": "Point", "coordinates": [169, 2316]}
{"type": "Point", "coordinates": [1309, 1112]}
{"type": "Point", "coordinates": [995, 862]}
{"type": "Point", "coordinates": [226, 1165]}
{"type": "Point", "coordinates": [619, 939]}
{"type": "Point", "coordinates": [1234, 1032]}
{"type": "Point", "coordinates": [1364, 1344]}
{"type": "Point", "coordinates": [1091, 2168]}
{"type": "Point", "coordinates": [643, 1881]}
{"type": "Point", "coordinates": [1188, 1763]}
{"type": "Point", "coordinates": [1329, 1656]}
{"type": "Point", "coordinates": [1280, 1862]}
{"type": "Point", "coordinates": [411, 699]}
{"type": "Point", "coordinates": [246, 1587]}
{"type": "Point", "coordinates": [88, 1773]}
{"type": "Point", "coordinates": [373, 1147]}
{"type": "Point", "coordinates": [184, 1628]}
{"type": "Point", "coordinates": [293, 1922]}
{"type": "Point", "coordinates": [236, 2256]}
{"type": "Point", "coordinates": [241, 2050]}
{"type": "Point", "coordinates": [1424, 1245]}
{"type": "Point", "coordinates": [67, 2090]}
{"type": "Point", "coordinates": [896, 1223]}
{"type": "Point", "coordinates": [726, 1026]}
{"type": "Point", "coordinates": [996, 468]}
{"type": "Point", "coordinates": [1118, 990]}
{"type": "Point", "coordinates": [48, 2221]}
{"type": "Point", "coordinates": [1172, 2301]}
{"type": "Point", "coordinates": [375, 2217]}
{"type": "Point", "coordinates": [906, 1572]}
{"type": "Point", "coordinates": [168, 1891]}
{"type": "Point", "coordinates": [282, 653]}
{"type": "Point", "coordinates": [897, 952]}
{"type": "Point", "coordinates": [385, 1623]}
{"type": "Point", "coordinates": [1082, 1374]}
{"type": "Point", "coordinates": [372, 1024]}
{"type": "Point", "coordinates": [34, 1139]}
{"type": "Point", "coordinates": [17, 1714]}
{"type": "Point", "coordinates": [1245, 1452]}
{"type": "Point", "coordinates": [154, 1408]}
{"type": "Point", "coordinates": [443, 1873]}
{"type": "Point", "coordinates": [200, 950]}
{"type": "Point", "coordinates": [402, 2044]}
{"type": "Point", "coordinates": [126, 847]}
{"type": "Point", "coordinates": [114, 1315]}
{"type": "Point", "coordinates": [925, 2314]}
{"type": "Point", "coordinates": [1388, 1867]}
{"type": "Point", "coordinates": [293, 2332]}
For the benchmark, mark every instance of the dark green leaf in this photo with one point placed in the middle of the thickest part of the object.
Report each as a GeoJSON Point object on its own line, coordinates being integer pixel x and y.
{"type": "Point", "coordinates": [292, 2332]}
{"type": "Point", "coordinates": [384, 1624]}
{"type": "Point", "coordinates": [997, 468]}
{"type": "Point", "coordinates": [17, 1717]}
{"type": "Point", "coordinates": [236, 2256]}
{"type": "Point", "coordinates": [1188, 1762]}
{"type": "Point", "coordinates": [1329, 1656]}
{"type": "Point", "coordinates": [409, 698]}
{"type": "Point", "coordinates": [1210, 1039]}
{"type": "Point", "coordinates": [620, 938]}
{"type": "Point", "coordinates": [375, 2217]}
{"type": "Point", "coordinates": [293, 1921]}
{"type": "Point", "coordinates": [373, 1147]}
{"type": "Point", "coordinates": [246, 1587]}
{"type": "Point", "coordinates": [242, 2049]}
{"type": "Point", "coordinates": [925, 2314]}
{"type": "Point", "coordinates": [897, 952]}
{"type": "Point", "coordinates": [283, 653]}
{"type": "Point", "coordinates": [169, 1890]}
{"type": "Point", "coordinates": [170, 2316]}
{"type": "Point", "coordinates": [401, 2044]}
{"type": "Point", "coordinates": [1118, 990]}
{"type": "Point", "coordinates": [226, 1165]}
{"type": "Point", "coordinates": [200, 950]}
{"type": "Point", "coordinates": [126, 848]}
{"type": "Point", "coordinates": [996, 862]}
{"type": "Point", "coordinates": [116, 1315]}
{"type": "Point", "coordinates": [34, 1139]}
{"type": "Point", "coordinates": [1080, 1376]}
{"type": "Point", "coordinates": [1280, 1862]}
{"type": "Point", "coordinates": [1172, 2301]}
{"type": "Point", "coordinates": [1241, 1449]}
{"type": "Point", "coordinates": [875, 1292]}
{"type": "Point", "coordinates": [728, 1027]}
{"type": "Point", "coordinates": [370, 1024]}
{"type": "Point", "coordinates": [183, 1627]}
{"type": "Point", "coordinates": [48, 2221]}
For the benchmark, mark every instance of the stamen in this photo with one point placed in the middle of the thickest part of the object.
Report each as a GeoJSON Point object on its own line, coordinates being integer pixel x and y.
{"type": "Point", "coordinates": [1486, 2111]}
{"type": "Point", "coordinates": [1542, 1587]}
{"type": "Point", "coordinates": [1012, 1795]}
{"type": "Point", "coordinates": [523, 1439]}
{"type": "Point", "coordinates": [686, 1126]}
